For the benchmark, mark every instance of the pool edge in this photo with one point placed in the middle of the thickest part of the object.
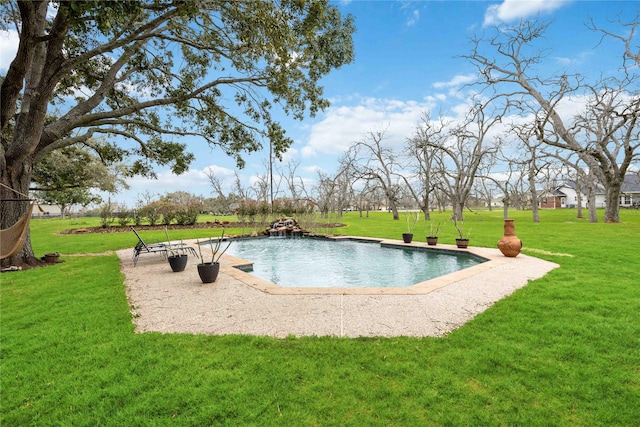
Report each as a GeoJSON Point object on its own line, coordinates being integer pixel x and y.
{"type": "Point", "coordinates": [494, 258]}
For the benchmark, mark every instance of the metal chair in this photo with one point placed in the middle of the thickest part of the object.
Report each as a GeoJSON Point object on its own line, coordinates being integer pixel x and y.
{"type": "Point", "coordinates": [163, 247]}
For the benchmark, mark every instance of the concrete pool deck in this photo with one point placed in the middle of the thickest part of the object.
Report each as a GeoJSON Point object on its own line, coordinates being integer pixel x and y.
{"type": "Point", "coordinates": [239, 303]}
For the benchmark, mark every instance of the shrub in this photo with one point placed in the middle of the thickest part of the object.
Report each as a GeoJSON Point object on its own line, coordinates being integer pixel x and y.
{"type": "Point", "coordinates": [247, 208]}
{"type": "Point", "coordinates": [187, 214]}
{"type": "Point", "coordinates": [263, 210]}
{"type": "Point", "coordinates": [124, 218]}
{"type": "Point", "coordinates": [137, 217]}
{"type": "Point", "coordinates": [168, 210]}
{"type": "Point", "coordinates": [151, 212]}
{"type": "Point", "coordinates": [106, 215]}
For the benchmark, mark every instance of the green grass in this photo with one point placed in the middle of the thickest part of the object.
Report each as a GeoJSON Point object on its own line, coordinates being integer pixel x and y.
{"type": "Point", "coordinates": [565, 350]}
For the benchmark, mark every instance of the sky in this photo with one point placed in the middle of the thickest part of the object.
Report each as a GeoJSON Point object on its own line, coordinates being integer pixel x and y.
{"type": "Point", "coordinates": [406, 63]}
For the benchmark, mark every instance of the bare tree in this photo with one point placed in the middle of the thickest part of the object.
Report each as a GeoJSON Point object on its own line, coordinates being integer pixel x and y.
{"type": "Point", "coordinates": [535, 161]}
{"type": "Point", "coordinates": [380, 165]}
{"type": "Point", "coordinates": [261, 187]}
{"type": "Point", "coordinates": [242, 192]}
{"type": "Point", "coordinates": [461, 154]}
{"type": "Point", "coordinates": [294, 182]}
{"type": "Point", "coordinates": [605, 136]}
{"type": "Point", "coordinates": [488, 180]}
{"type": "Point", "coordinates": [332, 192]}
{"type": "Point", "coordinates": [146, 198]}
{"type": "Point", "coordinates": [368, 197]}
{"type": "Point", "coordinates": [324, 191]}
{"type": "Point", "coordinates": [346, 179]}
{"type": "Point", "coordinates": [216, 185]}
{"type": "Point", "coordinates": [423, 155]}
{"type": "Point", "coordinates": [583, 177]}
{"type": "Point", "coordinates": [630, 53]}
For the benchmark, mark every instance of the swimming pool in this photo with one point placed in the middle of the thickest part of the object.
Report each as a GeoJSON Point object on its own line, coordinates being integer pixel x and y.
{"type": "Point", "coordinates": [344, 263]}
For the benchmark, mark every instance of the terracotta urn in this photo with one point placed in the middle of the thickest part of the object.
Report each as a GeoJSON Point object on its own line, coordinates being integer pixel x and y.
{"type": "Point", "coordinates": [509, 245]}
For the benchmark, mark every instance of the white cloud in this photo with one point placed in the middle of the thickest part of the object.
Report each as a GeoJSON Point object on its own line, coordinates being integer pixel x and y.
{"type": "Point", "coordinates": [511, 10]}
{"type": "Point", "coordinates": [456, 81]}
{"type": "Point", "coordinates": [344, 125]}
{"type": "Point", "coordinates": [413, 18]}
{"type": "Point", "coordinates": [290, 155]}
{"type": "Point", "coordinates": [574, 61]}
{"type": "Point", "coordinates": [312, 169]}
{"type": "Point", "coordinates": [220, 172]}
{"type": "Point", "coordinates": [194, 181]}
{"type": "Point", "coordinates": [9, 41]}
{"type": "Point", "coordinates": [564, 61]}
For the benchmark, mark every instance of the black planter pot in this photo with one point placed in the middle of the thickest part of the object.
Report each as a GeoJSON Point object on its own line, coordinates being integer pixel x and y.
{"type": "Point", "coordinates": [462, 243]}
{"type": "Point", "coordinates": [178, 262]}
{"type": "Point", "coordinates": [407, 237]}
{"type": "Point", "coordinates": [208, 271]}
{"type": "Point", "coordinates": [432, 240]}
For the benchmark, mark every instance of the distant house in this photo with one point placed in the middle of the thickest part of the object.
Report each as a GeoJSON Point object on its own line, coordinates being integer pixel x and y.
{"type": "Point", "coordinates": [630, 191]}
{"type": "Point", "coordinates": [46, 210]}
{"type": "Point", "coordinates": [496, 202]}
{"type": "Point", "coordinates": [566, 195]}
{"type": "Point", "coordinates": [553, 199]}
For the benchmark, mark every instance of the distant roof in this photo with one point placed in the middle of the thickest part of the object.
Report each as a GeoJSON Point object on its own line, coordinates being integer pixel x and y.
{"type": "Point", "coordinates": [631, 183]}
{"type": "Point", "coordinates": [551, 192]}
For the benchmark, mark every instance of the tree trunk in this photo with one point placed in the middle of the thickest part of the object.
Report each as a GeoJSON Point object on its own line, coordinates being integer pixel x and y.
{"type": "Point", "coordinates": [534, 199]}
{"type": "Point", "coordinates": [612, 200]}
{"type": "Point", "coordinates": [427, 214]}
{"type": "Point", "coordinates": [17, 177]}
{"type": "Point", "coordinates": [579, 198]}
{"type": "Point", "coordinates": [536, 213]}
{"type": "Point", "coordinates": [394, 209]}
{"type": "Point", "coordinates": [458, 207]}
{"type": "Point", "coordinates": [591, 200]}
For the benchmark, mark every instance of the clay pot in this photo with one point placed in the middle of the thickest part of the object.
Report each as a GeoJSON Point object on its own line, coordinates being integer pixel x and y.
{"type": "Point", "coordinates": [509, 245]}
{"type": "Point", "coordinates": [432, 240]}
{"type": "Point", "coordinates": [407, 237]}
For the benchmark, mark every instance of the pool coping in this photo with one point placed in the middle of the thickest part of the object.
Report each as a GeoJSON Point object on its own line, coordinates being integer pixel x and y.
{"type": "Point", "coordinates": [238, 303]}
{"type": "Point", "coordinates": [232, 265]}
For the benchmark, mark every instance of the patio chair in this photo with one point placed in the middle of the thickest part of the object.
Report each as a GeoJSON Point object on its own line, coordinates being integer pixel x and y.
{"type": "Point", "coordinates": [163, 247]}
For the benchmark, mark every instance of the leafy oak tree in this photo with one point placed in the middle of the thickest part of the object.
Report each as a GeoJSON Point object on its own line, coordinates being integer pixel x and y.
{"type": "Point", "coordinates": [150, 73]}
{"type": "Point", "coordinates": [71, 175]}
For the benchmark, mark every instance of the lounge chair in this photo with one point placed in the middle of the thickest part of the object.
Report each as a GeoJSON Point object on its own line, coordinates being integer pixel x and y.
{"type": "Point", "coordinates": [162, 247]}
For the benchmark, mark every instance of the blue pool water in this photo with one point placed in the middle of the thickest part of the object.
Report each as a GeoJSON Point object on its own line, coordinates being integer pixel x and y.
{"type": "Point", "coordinates": [309, 262]}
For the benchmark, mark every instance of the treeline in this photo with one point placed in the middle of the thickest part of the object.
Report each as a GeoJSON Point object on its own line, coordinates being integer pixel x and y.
{"type": "Point", "coordinates": [183, 208]}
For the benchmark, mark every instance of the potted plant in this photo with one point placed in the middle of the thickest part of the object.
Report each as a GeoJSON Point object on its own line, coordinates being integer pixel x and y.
{"type": "Point", "coordinates": [177, 257]}
{"type": "Point", "coordinates": [51, 257]}
{"type": "Point", "coordinates": [462, 241]}
{"type": "Point", "coordinates": [412, 220]}
{"type": "Point", "coordinates": [208, 271]}
{"type": "Point", "coordinates": [434, 232]}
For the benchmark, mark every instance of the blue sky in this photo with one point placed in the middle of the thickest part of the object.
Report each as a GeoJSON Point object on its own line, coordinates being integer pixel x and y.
{"type": "Point", "coordinates": [405, 64]}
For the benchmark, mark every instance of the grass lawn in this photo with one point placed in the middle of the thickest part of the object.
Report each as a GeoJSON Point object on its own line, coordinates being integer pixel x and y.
{"type": "Point", "coordinates": [564, 350]}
